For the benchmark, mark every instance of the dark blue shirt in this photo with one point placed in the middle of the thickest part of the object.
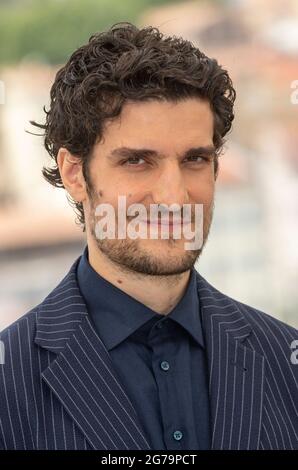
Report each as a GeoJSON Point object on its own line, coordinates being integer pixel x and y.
{"type": "Point", "coordinates": [160, 359]}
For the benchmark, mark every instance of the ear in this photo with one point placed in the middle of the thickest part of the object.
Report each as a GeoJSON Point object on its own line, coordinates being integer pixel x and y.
{"type": "Point", "coordinates": [70, 168]}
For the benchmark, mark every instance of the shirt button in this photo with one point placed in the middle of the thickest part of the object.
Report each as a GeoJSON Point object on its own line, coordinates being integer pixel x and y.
{"type": "Point", "coordinates": [177, 435]}
{"type": "Point", "coordinates": [165, 365]}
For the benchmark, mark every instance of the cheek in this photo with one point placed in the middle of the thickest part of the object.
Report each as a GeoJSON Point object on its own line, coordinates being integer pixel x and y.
{"type": "Point", "coordinates": [202, 190]}
{"type": "Point", "coordinates": [119, 198]}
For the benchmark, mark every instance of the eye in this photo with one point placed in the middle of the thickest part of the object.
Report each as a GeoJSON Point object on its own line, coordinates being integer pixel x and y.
{"type": "Point", "coordinates": [132, 161]}
{"type": "Point", "coordinates": [193, 159]}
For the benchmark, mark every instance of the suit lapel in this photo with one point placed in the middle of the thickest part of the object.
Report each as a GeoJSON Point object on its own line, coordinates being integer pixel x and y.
{"type": "Point", "coordinates": [236, 372]}
{"type": "Point", "coordinates": [82, 376]}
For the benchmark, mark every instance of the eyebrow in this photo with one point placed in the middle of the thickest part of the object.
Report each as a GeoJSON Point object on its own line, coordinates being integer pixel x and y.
{"type": "Point", "coordinates": [122, 152]}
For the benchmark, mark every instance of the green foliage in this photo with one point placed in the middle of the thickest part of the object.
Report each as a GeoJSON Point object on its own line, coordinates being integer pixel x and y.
{"type": "Point", "coordinates": [49, 30]}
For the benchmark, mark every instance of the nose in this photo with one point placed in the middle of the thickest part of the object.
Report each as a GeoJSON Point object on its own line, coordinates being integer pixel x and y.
{"type": "Point", "coordinates": [170, 187]}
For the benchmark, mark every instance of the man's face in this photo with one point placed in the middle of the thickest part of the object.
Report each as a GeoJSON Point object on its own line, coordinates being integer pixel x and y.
{"type": "Point", "coordinates": [165, 177]}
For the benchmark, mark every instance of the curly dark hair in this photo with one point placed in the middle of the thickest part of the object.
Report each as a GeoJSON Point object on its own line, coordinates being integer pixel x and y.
{"type": "Point", "coordinates": [127, 63]}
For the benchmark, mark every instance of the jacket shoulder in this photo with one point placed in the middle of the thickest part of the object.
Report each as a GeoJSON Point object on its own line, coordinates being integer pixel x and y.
{"type": "Point", "coordinates": [25, 322]}
{"type": "Point", "coordinates": [269, 334]}
{"type": "Point", "coordinates": [255, 317]}
{"type": "Point", "coordinates": [263, 321]}
{"type": "Point", "coordinates": [274, 339]}
{"type": "Point", "coordinates": [28, 320]}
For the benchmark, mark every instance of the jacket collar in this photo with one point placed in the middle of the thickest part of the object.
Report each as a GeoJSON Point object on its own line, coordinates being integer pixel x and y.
{"type": "Point", "coordinates": [84, 379]}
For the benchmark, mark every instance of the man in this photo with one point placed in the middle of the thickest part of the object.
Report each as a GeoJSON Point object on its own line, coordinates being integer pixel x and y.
{"type": "Point", "coordinates": [134, 349]}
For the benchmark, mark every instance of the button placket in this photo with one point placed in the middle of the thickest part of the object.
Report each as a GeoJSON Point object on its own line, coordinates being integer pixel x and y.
{"type": "Point", "coordinates": [163, 367]}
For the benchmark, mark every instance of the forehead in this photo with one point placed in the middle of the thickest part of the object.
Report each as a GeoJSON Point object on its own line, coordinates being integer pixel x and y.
{"type": "Point", "coordinates": [162, 123]}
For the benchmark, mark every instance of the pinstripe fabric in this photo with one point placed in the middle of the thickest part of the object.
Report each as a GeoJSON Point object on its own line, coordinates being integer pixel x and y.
{"type": "Point", "coordinates": [59, 389]}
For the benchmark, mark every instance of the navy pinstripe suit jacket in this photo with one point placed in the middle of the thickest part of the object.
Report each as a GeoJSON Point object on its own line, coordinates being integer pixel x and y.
{"type": "Point", "coordinates": [59, 389]}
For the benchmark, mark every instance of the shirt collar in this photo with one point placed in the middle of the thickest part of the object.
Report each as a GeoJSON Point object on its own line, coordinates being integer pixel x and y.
{"type": "Point", "coordinates": [117, 315]}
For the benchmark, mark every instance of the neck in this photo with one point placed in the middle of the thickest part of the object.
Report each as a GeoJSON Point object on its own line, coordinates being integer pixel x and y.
{"type": "Point", "coordinates": [160, 293]}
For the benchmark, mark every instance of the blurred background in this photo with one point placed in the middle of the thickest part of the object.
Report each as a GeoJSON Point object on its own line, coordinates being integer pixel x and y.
{"type": "Point", "coordinates": [252, 251]}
